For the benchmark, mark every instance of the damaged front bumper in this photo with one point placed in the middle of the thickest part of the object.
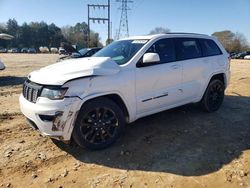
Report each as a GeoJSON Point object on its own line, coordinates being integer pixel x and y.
{"type": "Point", "coordinates": [54, 118]}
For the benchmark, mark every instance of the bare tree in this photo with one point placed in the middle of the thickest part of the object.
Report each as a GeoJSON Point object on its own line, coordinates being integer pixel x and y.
{"type": "Point", "coordinates": [240, 42]}
{"type": "Point", "coordinates": [78, 35]}
{"type": "Point", "coordinates": [66, 31]}
{"type": "Point", "coordinates": [159, 30]}
{"type": "Point", "coordinates": [233, 42]}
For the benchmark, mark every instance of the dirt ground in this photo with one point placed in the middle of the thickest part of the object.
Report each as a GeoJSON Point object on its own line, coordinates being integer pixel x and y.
{"type": "Point", "coordinates": [184, 147]}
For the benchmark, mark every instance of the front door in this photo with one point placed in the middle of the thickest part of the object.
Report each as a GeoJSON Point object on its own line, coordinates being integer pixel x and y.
{"type": "Point", "coordinates": [158, 85]}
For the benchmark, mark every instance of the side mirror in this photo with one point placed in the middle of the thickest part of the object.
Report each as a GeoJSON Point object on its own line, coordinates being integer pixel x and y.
{"type": "Point", "coordinates": [150, 58]}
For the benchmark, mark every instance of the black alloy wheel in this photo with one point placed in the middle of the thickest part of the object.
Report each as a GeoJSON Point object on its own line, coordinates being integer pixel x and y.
{"type": "Point", "coordinates": [100, 123]}
{"type": "Point", "coordinates": [213, 96]}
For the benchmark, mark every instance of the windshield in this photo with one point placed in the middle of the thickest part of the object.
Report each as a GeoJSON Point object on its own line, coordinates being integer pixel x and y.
{"type": "Point", "coordinates": [121, 51]}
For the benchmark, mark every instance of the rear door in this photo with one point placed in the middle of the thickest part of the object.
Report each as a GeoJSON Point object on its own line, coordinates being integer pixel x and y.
{"type": "Point", "coordinates": [158, 85]}
{"type": "Point", "coordinates": [195, 67]}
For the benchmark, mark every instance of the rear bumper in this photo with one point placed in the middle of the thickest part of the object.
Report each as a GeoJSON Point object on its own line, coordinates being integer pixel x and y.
{"type": "Point", "coordinates": [52, 118]}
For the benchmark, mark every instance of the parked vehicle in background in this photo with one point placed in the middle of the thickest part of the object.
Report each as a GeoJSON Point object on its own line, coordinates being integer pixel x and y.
{"type": "Point", "coordinates": [232, 54]}
{"type": "Point", "coordinates": [245, 54]}
{"type": "Point", "coordinates": [24, 50]}
{"type": "Point", "coordinates": [4, 36]}
{"type": "Point", "coordinates": [247, 57]}
{"type": "Point", "coordinates": [54, 50]}
{"type": "Point", "coordinates": [44, 49]}
{"type": "Point", "coordinates": [62, 51]}
{"type": "Point", "coordinates": [31, 50]}
{"type": "Point", "coordinates": [85, 52]}
{"type": "Point", "coordinates": [3, 50]}
{"type": "Point", "coordinates": [242, 55]}
{"type": "Point", "coordinates": [90, 99]}
{"type": "Point", "coordinates": [2, 67]}
{"type": "Point", "coordinates": [14, 50]}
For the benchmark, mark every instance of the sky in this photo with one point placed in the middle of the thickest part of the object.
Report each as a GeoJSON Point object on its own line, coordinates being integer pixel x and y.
{"type": "Point", "coordinates": [197, 16]}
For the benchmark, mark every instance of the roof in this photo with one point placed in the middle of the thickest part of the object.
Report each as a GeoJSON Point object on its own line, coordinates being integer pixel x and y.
{"type": "Point", "coordinates": [148, 37]}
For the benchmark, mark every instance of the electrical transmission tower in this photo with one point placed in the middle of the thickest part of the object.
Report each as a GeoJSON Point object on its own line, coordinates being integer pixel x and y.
{"type": "Point", "coordinates": [123, 27]}
{"type": "Point", "coordinates": [99, 19]}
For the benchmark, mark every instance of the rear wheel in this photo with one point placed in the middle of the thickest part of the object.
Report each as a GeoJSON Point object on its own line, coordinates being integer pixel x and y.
{"type": "Point", "coordinates": [99, 124]}
{"type": "Point", "coordinates": [213, 96]}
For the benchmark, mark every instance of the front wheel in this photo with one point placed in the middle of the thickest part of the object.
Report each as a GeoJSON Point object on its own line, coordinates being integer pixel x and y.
{"type": "Point", "coordinates": [213, 96]}
{"type": "Point", "coordinates": [100, 122]}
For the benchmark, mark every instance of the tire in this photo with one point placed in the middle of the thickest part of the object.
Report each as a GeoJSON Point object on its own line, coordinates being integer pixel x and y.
{"type": "Point", "coordinates": [99, 124]}
{"type": "Point", "coordinates": [213, 96]}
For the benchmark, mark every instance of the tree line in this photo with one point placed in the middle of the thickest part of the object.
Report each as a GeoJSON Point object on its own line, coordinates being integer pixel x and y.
{"type": "Point", "coordinates": [37, 34]}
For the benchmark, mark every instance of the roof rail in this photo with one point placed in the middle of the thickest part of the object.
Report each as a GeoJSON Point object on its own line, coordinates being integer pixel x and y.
{"type": "Point", "coordinates": [184, 33]}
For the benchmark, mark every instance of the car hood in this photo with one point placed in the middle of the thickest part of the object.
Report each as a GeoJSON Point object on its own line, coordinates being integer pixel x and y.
{"type": "Point", "coordinates": [59, 73]}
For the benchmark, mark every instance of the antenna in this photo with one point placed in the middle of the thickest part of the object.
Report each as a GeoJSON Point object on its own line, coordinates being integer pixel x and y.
{"type": "Point", "coordinates": [123, 27]}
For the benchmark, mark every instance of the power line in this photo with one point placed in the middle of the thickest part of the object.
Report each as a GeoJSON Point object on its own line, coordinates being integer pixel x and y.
{"type": "Point", "coordinates": [123, 30]}
{"type": "Point", "coordinates": [99, 19]}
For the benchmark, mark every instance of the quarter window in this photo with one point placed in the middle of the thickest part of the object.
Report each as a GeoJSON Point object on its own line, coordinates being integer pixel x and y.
{"type": "Point", "coordinates": [187, 48]}
{"type": "Point", "coordinates": [209, 48]}
{"type": "Point", "coordinates": [165, 49]}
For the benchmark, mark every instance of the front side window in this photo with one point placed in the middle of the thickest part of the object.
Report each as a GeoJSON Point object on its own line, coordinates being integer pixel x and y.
{"type": "Point", "coordinates": [209, 48]}
{"type": "Point", "coordinates": [165, 49]}
{"type": "Point", "coordinates": [187, 48]}
{"type": "Point", "coordinates": [121, 51]}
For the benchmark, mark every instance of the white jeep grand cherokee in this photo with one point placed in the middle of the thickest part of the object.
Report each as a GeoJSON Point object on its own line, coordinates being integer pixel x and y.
{"type": "Point", "coordinates": [91, 99]}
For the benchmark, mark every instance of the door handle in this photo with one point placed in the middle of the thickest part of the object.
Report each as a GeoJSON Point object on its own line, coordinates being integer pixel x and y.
{"type": "Point", "coordinates": [175, 66]}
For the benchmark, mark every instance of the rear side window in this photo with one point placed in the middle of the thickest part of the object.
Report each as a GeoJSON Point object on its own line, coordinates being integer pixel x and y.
{"type": "Point", "coordinates": [209, 47]}
{"type": "Point", "coordinates": [187, 48]}
{"type": "Point", "coordinates": [165, 49]}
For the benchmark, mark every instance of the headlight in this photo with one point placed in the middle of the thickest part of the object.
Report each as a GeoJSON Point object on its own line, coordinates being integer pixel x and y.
{"type": "Point", "coordinates": [54, 93]}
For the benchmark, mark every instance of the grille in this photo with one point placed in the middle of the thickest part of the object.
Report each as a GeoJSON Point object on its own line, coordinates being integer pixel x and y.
{"type": "Point", "coordinates": [31, 91]}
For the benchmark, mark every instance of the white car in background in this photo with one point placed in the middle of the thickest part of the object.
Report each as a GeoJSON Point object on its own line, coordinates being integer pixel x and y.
{"type": "Point", "coordinates": [4, 37]}
{"type": "Point", "coordinates": [247, 57]}
{"type": "Point", "coordinates": [2, 67]}
{"type": "Point", "coordinates": [62, 51]}
{"type": "Point", "coordinates": [91, 99]}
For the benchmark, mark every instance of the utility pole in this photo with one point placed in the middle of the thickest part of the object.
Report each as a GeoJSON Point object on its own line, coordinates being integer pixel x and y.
{"type": "Point", "coordinates": [123, 27]}
{"type": "Point", "coordinates": [98, 19]}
